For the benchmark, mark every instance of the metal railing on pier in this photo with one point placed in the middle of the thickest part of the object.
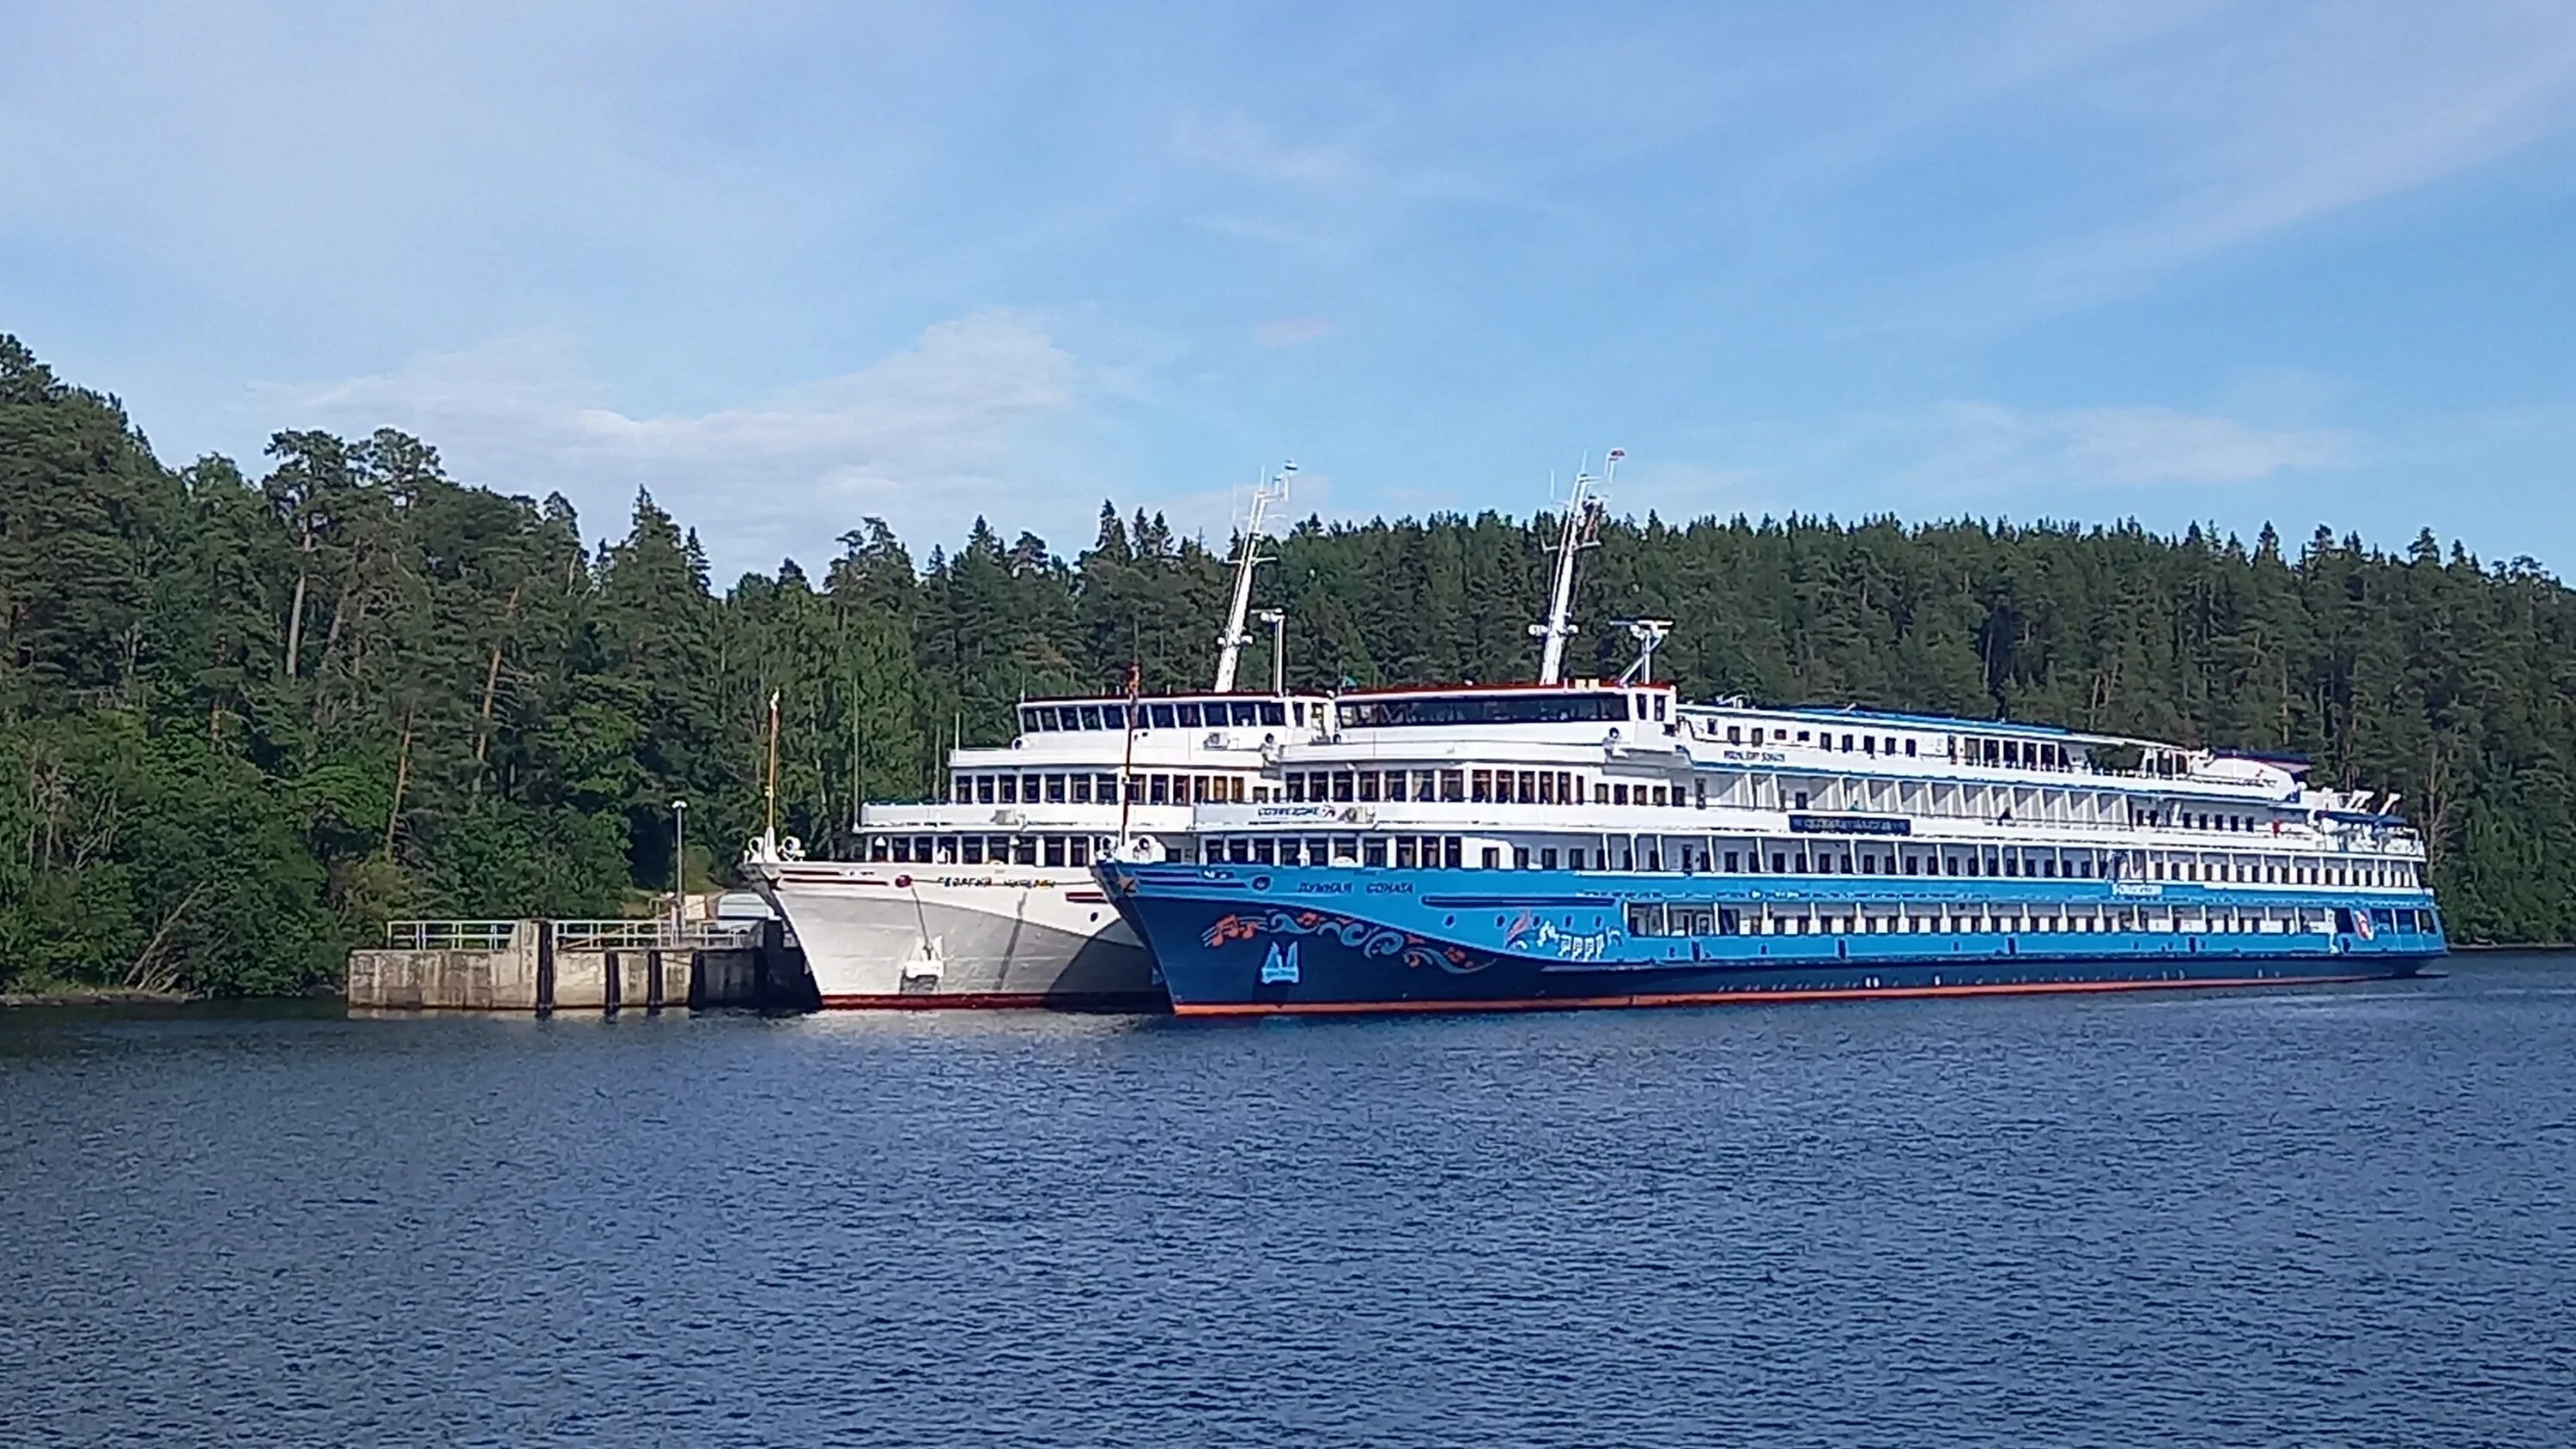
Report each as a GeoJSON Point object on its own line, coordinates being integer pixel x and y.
{"type": "Point", "coordinates": [623, 934]}
{"type": "Point", "coordinates": [451, 935]}
{"type": "Point", "coordinates": [630, 934]}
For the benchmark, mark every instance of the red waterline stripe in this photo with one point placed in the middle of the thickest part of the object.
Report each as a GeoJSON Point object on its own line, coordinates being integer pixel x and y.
{"type": "Point", "coordinates": [995, 1001]}
{"type": "Point", "coordinates": [1734, 998]}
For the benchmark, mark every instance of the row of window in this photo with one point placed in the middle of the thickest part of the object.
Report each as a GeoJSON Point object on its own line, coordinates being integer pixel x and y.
{"type": "Point", "coordinates": [1055, 850]}
{"type": "Point", "coordinates": [1677, 918]}
{"type": "Point", "coordinates": [1169, 714]}
{"type": "Point", "coordinates": [1057, 787]}
{"type": "Point", "coordinates": [1696, 857]}
{"type": "Point", "coordinates": [1973, 750]}
{"type": "Point", "coordinates": [1503, 787]}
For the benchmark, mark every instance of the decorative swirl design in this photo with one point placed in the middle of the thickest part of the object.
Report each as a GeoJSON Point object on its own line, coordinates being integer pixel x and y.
{"type": "Point", "coordinates": [1366, 937]}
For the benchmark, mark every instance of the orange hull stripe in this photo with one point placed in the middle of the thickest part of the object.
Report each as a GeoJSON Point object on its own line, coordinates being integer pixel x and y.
{"type": "Point", "coordinates": [1730, 998]}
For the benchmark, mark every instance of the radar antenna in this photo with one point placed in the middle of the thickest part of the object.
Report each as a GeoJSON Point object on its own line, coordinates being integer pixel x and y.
{"type": "Point", "coordinates": [1648, 633]}
{"type": "Point", "coordinates": [1581, 529]}
{"type": "Point", "coordinates": [1230, 643]}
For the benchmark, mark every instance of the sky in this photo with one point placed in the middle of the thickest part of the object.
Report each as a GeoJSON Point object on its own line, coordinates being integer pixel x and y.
{"type": "Point", "coordinates": [789, 267]}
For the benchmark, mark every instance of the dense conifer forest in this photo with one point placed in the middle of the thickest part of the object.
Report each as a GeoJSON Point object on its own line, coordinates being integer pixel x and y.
{"type": "Point", "coordinates": [251, 711]}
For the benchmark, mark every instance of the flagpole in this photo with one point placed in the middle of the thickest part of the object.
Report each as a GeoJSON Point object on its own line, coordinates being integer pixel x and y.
{"type": "Point", "coordinates": [1127, 763]}
{"type": "Point", "coordinates": [769, 791]}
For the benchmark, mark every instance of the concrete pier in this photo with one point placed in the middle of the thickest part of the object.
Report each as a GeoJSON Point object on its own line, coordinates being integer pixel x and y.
{"type": "Point", "coordinates": [542, 966]}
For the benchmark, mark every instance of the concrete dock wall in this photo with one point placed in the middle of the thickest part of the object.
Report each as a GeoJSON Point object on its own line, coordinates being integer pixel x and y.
{"type": "Point", "coordinates": [528, 973]}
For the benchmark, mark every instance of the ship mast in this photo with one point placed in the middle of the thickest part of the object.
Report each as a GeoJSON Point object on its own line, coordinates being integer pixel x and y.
{"type": "Point", "coordinates": [1230, 643]}
{"type": "Point", "coordinates": [1581, 530]}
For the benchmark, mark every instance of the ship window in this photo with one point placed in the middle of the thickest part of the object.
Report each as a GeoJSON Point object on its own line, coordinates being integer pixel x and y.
{"type": "Point", "coordinates": [1272, 713]}
{"type": "Point", "coordinates": [1909, 747]}
{"type": "Point", "coordinates": [1493, 857]}
{"type": "Point", "coordinates": [1527, 787]}
{"type": "Point", "coordinates": [1024, 850]}
{"type": "Point", "coordinates": [1077, 851]}
{"type": "Point", "coordinates": [1265, 851]}
{"type": "Point", "coordinates": [971, 850]}
{"type": "Point", "coordinates": [1055, 850]}
{"type": "Point", "coordinates": [1453, 785]}
{"type": "Point", "coordinates": [1950, 865]}
{"type": "Point", "coordinates": [1406, 856]}
{"type": "Point", "coordinates": [1158, 789]}
{"type": "Point", "coordinates": [1373, 853]}
{"type": "Point", "coordinates": [1452, 851]}
{"type": "Point", "coordinates": [1779, 862]}
{"type": "Point", "coordinates": [1757, 734]}
{"type": "Point", "coordinates": [1600, 793]}
{"type": "Point", "coordinates": [1055, 789]}
{"type": "Point", "coordinates": [1547, 858]}
{"type": "Point", "coordinates": [1484, 786]}
{"type": "Point", "coordinates": [1342, 785]}
{"type": "Point", "coordinates": [1081, 786]}
{"type": "Point", "coordinates": [1368, 785]}
{"type": "Point", "coordinates": [1804, 736]}
{"type": "Point", "coordinates": [1735, 734]}
{"type": "Point", "coordinates": [1801, 799]}
{"type": "Point", "coordinates": [1734, 861]}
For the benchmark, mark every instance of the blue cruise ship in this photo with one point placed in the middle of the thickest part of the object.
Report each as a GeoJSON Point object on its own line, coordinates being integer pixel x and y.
{"type": "Point", "coordinates": [1607, 844]}
{"type": "Point", "coordinates": [1590, 843]}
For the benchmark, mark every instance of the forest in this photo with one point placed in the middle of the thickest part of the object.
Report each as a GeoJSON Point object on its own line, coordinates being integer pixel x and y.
{"type": "Point", "coordinates": [252, 711]}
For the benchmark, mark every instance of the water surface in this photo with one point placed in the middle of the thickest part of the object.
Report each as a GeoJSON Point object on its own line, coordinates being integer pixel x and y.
{"type": "Point", "coordinates": [2332, 1215]}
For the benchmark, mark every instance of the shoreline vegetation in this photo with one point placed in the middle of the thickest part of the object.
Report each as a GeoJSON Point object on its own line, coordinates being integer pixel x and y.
{"type": "Point", "coordinates": [251, 712]}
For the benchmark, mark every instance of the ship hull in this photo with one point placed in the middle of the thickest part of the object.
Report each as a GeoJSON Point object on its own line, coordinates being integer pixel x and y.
{"type": "Point", "coordinates": [879, 937]}
{"type": "Point", "coordinates": [1256, 941]}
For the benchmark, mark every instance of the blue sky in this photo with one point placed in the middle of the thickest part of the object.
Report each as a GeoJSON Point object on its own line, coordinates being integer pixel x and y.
{"type": "Point", "coordinates": [790, 266]}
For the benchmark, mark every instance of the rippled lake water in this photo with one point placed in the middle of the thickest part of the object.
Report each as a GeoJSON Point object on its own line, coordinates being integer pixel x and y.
{"type": "Point", "coordinates": [2337, 1215]}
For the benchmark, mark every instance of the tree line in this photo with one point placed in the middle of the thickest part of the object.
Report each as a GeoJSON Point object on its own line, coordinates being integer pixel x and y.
{"type": "Point", "coordinates": [251, 713]}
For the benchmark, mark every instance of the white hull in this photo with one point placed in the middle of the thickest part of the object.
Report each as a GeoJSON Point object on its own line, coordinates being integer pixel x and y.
{"type": "Point", "coordinates": [881, 935]}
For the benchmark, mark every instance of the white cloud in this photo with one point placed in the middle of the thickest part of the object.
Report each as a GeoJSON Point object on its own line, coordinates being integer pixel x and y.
{"type": "Point", "coordinates": [1292, 331]}
{"type": "Point", "coordinates": [1984, 448]}
{"type": "Point", "coordinates": [926, 438]}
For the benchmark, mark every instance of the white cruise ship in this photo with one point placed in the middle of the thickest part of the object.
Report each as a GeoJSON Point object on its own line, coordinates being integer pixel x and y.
{"type": "Point", "coordinates": [985, 898]}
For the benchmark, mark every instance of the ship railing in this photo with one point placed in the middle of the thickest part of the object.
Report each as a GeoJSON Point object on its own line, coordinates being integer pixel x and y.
{"type": "Point", "coordinates": [451, 935]}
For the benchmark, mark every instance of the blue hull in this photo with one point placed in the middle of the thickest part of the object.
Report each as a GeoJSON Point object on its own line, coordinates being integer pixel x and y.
{"type": "Point", "coordinates": [1238, 940]}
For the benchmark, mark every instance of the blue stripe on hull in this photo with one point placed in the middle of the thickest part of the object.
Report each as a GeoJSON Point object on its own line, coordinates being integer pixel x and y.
{"type": "Point", "coordinates": [1233, 940]}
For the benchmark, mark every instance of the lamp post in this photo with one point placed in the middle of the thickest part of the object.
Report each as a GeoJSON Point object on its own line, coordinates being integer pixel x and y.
{"type": "Point", "coordinates": [679, 867]}
{"type": "Point", "coordinates": [1277, 619]}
